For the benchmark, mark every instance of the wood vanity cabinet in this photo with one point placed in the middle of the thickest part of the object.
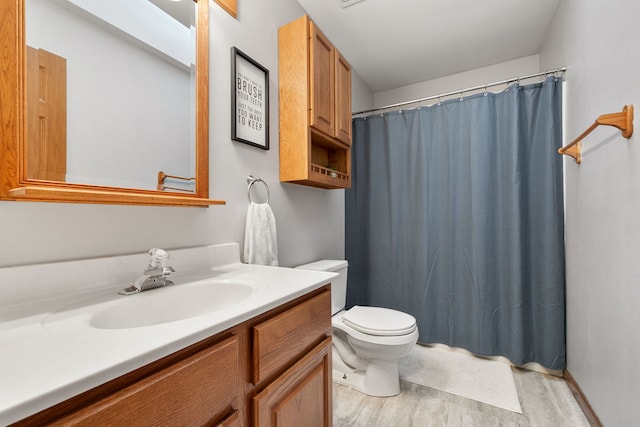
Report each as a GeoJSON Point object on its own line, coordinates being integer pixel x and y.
{"type": "Point", "coordinates": [314, 108]}
{"type": "Point", "coordinates": [272, 370]}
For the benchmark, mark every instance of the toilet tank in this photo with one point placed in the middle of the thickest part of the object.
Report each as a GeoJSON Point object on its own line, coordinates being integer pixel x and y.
{"type": "Point", "coordinates": [338, 285]}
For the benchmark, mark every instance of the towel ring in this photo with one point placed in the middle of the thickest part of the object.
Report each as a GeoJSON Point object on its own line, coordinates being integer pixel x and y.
{"type": "Point", "coordinates": [252, 180]}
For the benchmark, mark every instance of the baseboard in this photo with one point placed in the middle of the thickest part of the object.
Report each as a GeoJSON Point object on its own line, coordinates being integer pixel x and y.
{"type": "Point", "coordinates": [589, 413]}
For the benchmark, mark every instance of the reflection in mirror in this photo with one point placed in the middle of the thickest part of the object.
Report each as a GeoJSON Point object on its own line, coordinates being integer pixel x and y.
{"type": "Point", "coordinates": [111, 92]}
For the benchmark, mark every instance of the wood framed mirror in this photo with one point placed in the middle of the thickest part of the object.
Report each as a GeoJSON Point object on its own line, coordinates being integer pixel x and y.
{"type": "Point", "coordinates": [20, 180]}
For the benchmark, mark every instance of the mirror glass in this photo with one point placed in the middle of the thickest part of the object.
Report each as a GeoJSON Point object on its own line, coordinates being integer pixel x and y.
{"type": "Point", "coordinates": [111, 92]}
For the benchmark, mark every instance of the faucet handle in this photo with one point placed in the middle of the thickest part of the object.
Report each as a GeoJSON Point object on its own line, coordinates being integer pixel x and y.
{"type": "Point", "coordinates": [158, 258]}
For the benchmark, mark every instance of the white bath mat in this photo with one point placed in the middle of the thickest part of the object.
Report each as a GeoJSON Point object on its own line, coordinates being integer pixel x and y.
{"type": "Point", "coordinates": [459, 372]}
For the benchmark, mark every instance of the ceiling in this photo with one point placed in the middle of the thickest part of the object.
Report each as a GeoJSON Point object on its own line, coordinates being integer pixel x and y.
{"type": "Point", "coordinates": [183, 11]}
{"type": "Point", "coordinates": [393, 43]}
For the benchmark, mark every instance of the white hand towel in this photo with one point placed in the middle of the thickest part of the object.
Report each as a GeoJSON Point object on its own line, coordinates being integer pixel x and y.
{"type": "Point", "coordinates": [260, 243]}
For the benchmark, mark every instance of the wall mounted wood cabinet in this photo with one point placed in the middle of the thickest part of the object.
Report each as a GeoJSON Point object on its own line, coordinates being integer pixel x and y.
{"type": "Point", "coordinates": [315, 108]}
{"type": "Point", "coordinates": [276, 366]}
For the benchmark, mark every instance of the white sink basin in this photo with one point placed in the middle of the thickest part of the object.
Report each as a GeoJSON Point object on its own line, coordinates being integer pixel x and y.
{"type": "Point", "coordinates": [109, 310]}
{"type": "Point", "coordinates": [169, 304]}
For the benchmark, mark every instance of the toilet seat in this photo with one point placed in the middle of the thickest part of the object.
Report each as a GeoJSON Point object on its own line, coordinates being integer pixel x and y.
{"type": "Point", "coordinates": [338, 323]}
{"type": "Point", "coordinates": [379, 321]}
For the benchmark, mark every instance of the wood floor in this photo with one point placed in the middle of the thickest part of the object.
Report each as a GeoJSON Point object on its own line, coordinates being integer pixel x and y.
{"type": "Point", "coordinates": [545, 400]}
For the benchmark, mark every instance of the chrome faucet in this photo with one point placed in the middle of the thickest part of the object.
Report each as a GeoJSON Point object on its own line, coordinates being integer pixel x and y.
{"type": "Point", "coordinates": [154, 276]}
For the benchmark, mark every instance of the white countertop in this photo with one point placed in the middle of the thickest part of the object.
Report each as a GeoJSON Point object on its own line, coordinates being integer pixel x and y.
{"type": "Point", "coordinates": [49, 352]}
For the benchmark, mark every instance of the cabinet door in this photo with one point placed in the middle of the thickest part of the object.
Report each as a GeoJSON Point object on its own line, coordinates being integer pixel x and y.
{"type": "Point", "coordinates": [46, 115]}
{"type": "Point", "coordinates": [301, 396]}
{"type": "Point", "coordinates": [343, 99]}
{"type": "Point", "coordinates": [322, 81]}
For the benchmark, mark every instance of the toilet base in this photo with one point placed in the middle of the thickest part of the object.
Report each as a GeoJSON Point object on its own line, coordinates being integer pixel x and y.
{"type": "Point", "coordinates": [380, 379]}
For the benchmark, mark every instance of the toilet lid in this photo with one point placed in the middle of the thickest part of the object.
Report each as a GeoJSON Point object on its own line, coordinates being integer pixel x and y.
{"type": "Point", "coordinates": [379, 321]}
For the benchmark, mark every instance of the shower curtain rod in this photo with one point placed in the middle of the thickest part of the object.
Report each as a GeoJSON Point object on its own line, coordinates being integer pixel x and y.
{"type": "Point", "coordinates": [461, 91]}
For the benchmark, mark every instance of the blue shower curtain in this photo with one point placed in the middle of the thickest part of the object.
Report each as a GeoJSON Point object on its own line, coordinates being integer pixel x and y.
{"type": "Point", "coordinates": [455, 216]}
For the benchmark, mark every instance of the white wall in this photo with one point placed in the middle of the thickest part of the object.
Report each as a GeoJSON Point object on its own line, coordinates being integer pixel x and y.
{"type": "Point", "coordinates": [494, 73]}
{"type": "Point", "coordinates": [597, 41]}
{"type": "Point", "coordinates": [362, 97]}
{"type": "Point", "coordinates": [310, 221]}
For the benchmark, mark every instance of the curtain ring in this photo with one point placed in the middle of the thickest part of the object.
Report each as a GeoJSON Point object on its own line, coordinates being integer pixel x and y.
{"type": "Point", "coordinates": [485, 91]}
{"type": "Point", "coordinates": [461, 97]}
{"type": "Point", "coordinates": [439, 100]}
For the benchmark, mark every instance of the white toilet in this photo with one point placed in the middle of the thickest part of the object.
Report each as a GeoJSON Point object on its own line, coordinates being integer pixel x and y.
{"type": "Point", "coordinates": [367, 341]}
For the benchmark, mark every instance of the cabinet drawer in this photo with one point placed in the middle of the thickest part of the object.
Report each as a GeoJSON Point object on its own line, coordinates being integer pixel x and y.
{"type": "Point", "coordinates": [193, 392]}
{"type": "Point", "coordinates": [286, 336]}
